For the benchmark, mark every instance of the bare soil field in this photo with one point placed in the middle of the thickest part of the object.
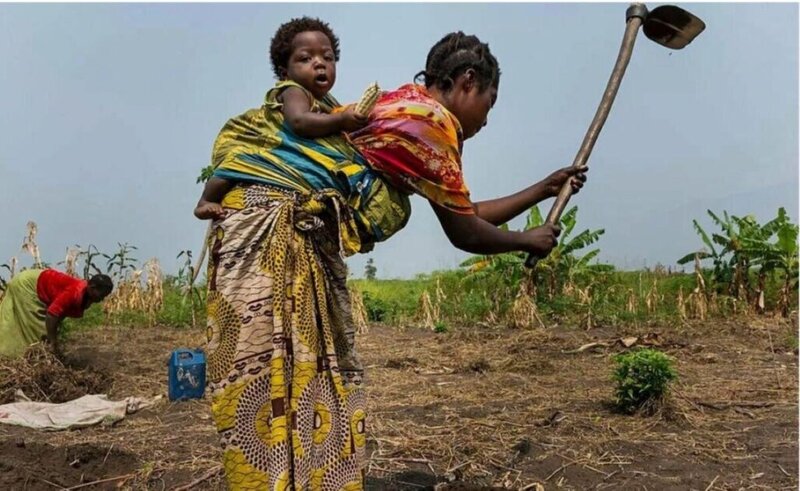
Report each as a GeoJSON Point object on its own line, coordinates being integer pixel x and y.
{"type": "Point", "coordinates": [475, 408]}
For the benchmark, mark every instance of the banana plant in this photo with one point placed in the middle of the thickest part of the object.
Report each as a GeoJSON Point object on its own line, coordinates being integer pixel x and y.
{"type": "Point", "coordinates": [701, 254]}
{"type": "Point", "coordinates": [561, 266]}
{"type": "Point", "coordinates": [778, 256]}
{"type": "Point", "coordinates": [508, 267]}
{"type": "Point", "coordinates": [731, 266]}
{"type": "Point", "coordinates": [746, 248]}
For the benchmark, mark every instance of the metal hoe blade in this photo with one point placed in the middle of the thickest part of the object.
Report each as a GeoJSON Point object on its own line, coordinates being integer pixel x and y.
{"type": "Point", "coordinates": [672, 26]}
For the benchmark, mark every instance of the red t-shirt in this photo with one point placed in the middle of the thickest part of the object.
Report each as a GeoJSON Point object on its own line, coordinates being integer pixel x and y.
{"type": "Point", "coordinates": [62, 293]}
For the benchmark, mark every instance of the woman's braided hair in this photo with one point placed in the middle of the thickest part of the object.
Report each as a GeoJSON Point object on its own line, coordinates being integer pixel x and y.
{"type": "Point", "coordinates": [453, 55]}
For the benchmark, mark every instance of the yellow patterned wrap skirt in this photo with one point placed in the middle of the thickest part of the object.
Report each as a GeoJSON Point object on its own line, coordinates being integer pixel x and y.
{"type": "Point", "coordinates": [285, 381]}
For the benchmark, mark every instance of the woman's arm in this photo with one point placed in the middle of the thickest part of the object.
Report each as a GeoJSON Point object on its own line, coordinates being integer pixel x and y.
{"type": "Point", "coordinates": [52, 323]}
{"type": "Point", "coordinates": [473, 234]}
{"type": "Point", "coordinates": [500, 210]}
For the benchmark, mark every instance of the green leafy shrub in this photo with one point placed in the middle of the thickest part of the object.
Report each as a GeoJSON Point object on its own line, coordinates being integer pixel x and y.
{"type": "Point", "coordinates": [377, 309]}
{"type": "Point", "coordinates": [642, 380]}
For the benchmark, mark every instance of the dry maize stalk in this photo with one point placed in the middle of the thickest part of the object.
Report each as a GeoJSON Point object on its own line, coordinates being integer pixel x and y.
{"type": "Point", "coordinates": [524, 311]}
{"type": "Point", "coordinates": [681, 304]}
{"type": "Point", "coordinates": [428, 314]}
{"type": "Point", "coordinates": [70, 261]}
{"type": "Point", "coordinates": [699, 305]}
{"type": "Point", "coordinates": [153, 297]}
{"type": "Point", "coordinates": [29, 244]}
{"type": "Point", "coordinates": [359, 311]}
{"type": "Point", "coordinates": [632, 300]}
{"type": "Point", "coordinates": [652, 298]}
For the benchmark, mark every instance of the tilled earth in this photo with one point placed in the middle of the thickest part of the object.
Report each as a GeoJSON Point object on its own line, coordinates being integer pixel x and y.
{"type": "Point", "coordinates": [478, 408]}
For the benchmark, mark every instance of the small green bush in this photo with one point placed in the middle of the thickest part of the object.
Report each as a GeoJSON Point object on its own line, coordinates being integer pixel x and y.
{"type": "Point", "coordinates": [377, 309]}
{"type": "Point", "coordinates": [642, 378]}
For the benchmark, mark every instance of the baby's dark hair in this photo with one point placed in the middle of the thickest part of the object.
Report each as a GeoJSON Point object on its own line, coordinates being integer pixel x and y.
{"type": "Point", "coordinates": [102, 283]}
{"type": "Point", "coordinates": [280, 48]}
{"type": "Point", "coordinates": [453, 55]}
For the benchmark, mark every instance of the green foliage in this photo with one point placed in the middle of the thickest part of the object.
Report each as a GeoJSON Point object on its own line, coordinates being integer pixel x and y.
{"type": "Point", "coordinates": [749, 255]}
{"type": "Point", "coordinates": [566, 263]}
{"type": "Point", "coordinates": [88, 255]}
{"type": "Point", "coordinates": [121, 262]}
{"type": "Point", "coordinates": [189, 298]}
{"type": "Point", "coordinates": [508, 267]}
{"type": "Point", "coordinates": [391, 301]}
{"type": "Point", "coordinates": [205, 174]}
{"type": "Point", "coordinates": [474, 298]}
{"type": "Point", "coordinates": [185, 278]}
{"type": "Point", "coordinates": [377, 308]}
{"type": "Point", "coordinates": [780, 255]}
{"type": "Point", "coordinates": [92, 317]}
{"type": "Point", "coordinates": [566, 288]}
{"type": "Point", "coordinates": [642, 379]}
{"type": "Point", "coordinates": [563, 265]}
{"type": "Point", "coordinates": [177, 311]}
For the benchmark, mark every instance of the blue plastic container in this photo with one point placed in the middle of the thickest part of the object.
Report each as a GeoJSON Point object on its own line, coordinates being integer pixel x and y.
{"type": "Point", "coordinates": [187, 374]}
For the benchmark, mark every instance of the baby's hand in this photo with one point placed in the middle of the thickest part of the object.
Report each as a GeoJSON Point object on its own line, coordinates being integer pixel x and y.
{"type": "Point", "coordinates": [351, 120]}
{"type": "Point", "coordinates": [207, 210]}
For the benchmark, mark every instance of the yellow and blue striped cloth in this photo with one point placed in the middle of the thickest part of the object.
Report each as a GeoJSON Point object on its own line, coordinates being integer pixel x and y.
{"type": "Point", "coordinates": [258, 147]}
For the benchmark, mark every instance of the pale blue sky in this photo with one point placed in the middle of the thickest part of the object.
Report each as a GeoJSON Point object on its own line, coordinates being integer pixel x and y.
{"type": "Point", "coordinates": [109, 111]}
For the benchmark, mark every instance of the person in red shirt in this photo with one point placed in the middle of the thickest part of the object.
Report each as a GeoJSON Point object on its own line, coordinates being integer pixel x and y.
{"type": "Point", "coordinates": [35, 303]}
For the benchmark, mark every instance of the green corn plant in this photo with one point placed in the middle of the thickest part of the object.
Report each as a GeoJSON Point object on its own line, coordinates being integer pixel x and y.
{"type": "Point", "coordinates": [121, 262]}
{"type": "Point", "coordinates": [88, 256]}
